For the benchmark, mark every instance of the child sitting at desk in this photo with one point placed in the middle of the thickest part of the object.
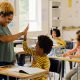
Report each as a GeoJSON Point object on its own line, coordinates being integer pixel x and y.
{"type": "Point", "coordinates": [72, 75]}
{"type": "Point", "coordinates": [42, 48]}
{"type": "Point", "coordinates": [58, 43]}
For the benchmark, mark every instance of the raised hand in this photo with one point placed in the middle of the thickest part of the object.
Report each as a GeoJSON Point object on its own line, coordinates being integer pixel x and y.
{"type": "Point", "coordinates": [26, 30]}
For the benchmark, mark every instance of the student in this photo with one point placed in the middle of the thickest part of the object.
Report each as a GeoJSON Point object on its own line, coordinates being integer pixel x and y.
{"type": "Point", "coordinates": [58, 45]}
{"type": "Point", "coordinates": [72, 75]}
{"type": "Point", "coordinates": [7, 55]}
{"type": "Point", "coordinates": [58, 42]}
{"type": "Point", "coordinates": [42, 48]}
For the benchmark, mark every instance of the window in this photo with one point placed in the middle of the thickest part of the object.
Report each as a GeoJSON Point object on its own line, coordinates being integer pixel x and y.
{"type": "Point", "coordinates": [30, 12]}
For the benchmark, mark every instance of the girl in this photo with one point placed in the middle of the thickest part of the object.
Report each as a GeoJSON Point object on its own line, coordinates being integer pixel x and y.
{"type": "Point", "coordinates": [72, 75]}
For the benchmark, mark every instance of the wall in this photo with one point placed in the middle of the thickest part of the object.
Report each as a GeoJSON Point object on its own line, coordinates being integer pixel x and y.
{"type": "Point", "coordinates": [44, 19]}
{"type": "Point", "coordinates": [70, 16]}
{"type": "Point", "coordinates": [14, 24]}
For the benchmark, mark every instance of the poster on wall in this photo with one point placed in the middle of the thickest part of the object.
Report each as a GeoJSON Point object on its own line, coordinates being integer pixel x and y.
{"type": "Point", "coordinates": [70, 3]}
{"type": "Point", "coordinates": [68, 28]}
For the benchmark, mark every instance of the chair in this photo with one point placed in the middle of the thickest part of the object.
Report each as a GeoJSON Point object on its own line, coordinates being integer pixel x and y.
{"type": "Point", "coordinates": [21, 58]}
{"type": "Point", "coordinates": [57, 66]}
{"type": "Point", "coordinates": [69, 45]}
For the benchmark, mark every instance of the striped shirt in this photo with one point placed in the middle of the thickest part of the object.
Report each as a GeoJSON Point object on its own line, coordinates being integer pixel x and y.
{"type": "Point", "coordinates": [39, 61]}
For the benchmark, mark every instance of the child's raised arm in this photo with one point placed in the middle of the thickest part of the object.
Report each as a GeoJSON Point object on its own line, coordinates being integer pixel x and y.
{"type": "Point", "coordinates": [25, 46]}
{"type": "Point", "coordinates": [26, 30]}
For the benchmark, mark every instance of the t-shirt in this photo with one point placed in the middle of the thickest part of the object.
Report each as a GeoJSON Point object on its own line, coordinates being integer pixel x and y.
{"type": "Point", "coordinates": [6, 48]}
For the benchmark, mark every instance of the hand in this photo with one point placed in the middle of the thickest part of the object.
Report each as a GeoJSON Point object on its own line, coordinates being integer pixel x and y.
{"type": "Point", "coordinates": [71, 56]}
{"type": "Point", "coordinates": [26, 30]}
{"type": "Point", "coordinates": [64, 55]}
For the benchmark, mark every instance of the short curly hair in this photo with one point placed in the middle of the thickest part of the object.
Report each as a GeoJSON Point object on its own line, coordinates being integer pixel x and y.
{"type": "Point", "coordinates": [45, 42]}
{"type": "Point", "coordinates": [6, 8]}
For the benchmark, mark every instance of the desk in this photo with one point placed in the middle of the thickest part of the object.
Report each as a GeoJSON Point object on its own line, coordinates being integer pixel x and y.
{"type": "Point", "coordinates": [20, 55]}
{"type": "Point", "coordinates": [6, 71]}
{"type": "Point", "coordinates": [17, 42]}
{"type": "Point", "coordinates": [67, 59]}
{"type": "Point", "coordinates": [19, 50]}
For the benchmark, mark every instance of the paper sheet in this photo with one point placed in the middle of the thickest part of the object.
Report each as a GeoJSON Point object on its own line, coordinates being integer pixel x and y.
{"type": "Point", "coordinates": [28, 70]}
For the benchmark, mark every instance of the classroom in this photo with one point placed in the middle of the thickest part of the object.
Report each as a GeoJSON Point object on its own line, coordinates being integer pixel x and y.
{"type": "Point", "coordinates": [39, 39]}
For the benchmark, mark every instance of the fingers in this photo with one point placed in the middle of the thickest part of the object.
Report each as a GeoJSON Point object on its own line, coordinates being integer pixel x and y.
{"type": "Point", "coordinates": [26, 30]}
{"type": "Point", "coordinates": [64, 55]}
{"type": "Point", "coordinates": [27, 27]}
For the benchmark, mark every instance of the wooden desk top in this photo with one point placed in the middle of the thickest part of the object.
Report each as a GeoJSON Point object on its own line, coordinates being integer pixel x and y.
{"type": "Point", "coordinates": [66, 59]}
{"type": "Point", "coordinates": [7, 72]}
{"type": "Point", "coordinates": [19, 50]}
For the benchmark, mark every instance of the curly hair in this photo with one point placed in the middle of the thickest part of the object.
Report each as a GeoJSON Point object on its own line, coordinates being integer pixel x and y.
{"type": "Point", "coordinates": [45, 42]}
{"type": "Point", "coordinates": [6, 8]}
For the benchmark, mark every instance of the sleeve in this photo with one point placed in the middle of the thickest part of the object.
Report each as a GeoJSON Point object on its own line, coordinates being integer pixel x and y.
{"type": "Point", "coordinates": [46, 64]}
{"type": "Point", "coordinates": [27, 49]}
{"type": "Point", "coordinates": [61, 42]}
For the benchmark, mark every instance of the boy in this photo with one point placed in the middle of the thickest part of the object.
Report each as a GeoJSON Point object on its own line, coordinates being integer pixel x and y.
{"type": "Point", "coordinates": [42, 48]}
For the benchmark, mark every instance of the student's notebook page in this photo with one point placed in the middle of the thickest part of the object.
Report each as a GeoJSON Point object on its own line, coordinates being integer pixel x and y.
{"type": "Point", "coordinates": [28, 70]}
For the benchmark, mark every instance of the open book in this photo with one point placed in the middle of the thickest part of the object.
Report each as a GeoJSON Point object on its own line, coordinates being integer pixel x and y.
{"type": "Point", "coordinates": [28, 70]}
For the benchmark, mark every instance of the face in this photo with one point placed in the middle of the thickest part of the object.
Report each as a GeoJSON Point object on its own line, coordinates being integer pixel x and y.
{"type": "Point", "coordinates": [38, 49]}
{"type": "Point", "coordinates": [6, 20]}
{"type": "Point", "coordinates": [53, 34]}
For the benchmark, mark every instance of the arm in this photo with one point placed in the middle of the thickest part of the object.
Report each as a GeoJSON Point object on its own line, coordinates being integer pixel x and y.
{"type": "Point", "coordinates": [27, 49]}
{"type": "Point", "coordinates": [46, 64]}
{"type": "Point", "coordinates": [9, 38]}
{"type": "Point", "coordinates": [61, 42]}
{"type": "Point", "coordinates": [71, 51]}
{"type": "Point", "coordinates": [75, 56]}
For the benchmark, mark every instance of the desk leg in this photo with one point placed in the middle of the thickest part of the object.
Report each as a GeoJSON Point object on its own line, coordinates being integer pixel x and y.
{"type": "Point", "coordinates": [77, 72]}
{"type": "Point", "coordinates": [62, 69]}
{"type": "Point", "coordinates": [7, 77]}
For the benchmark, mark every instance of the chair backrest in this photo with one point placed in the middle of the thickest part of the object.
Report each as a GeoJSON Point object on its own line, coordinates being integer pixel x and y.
{"type": "Point", "coordinates": [55, 65]}
{"type": "Point", "coordinates": [69, 45]}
